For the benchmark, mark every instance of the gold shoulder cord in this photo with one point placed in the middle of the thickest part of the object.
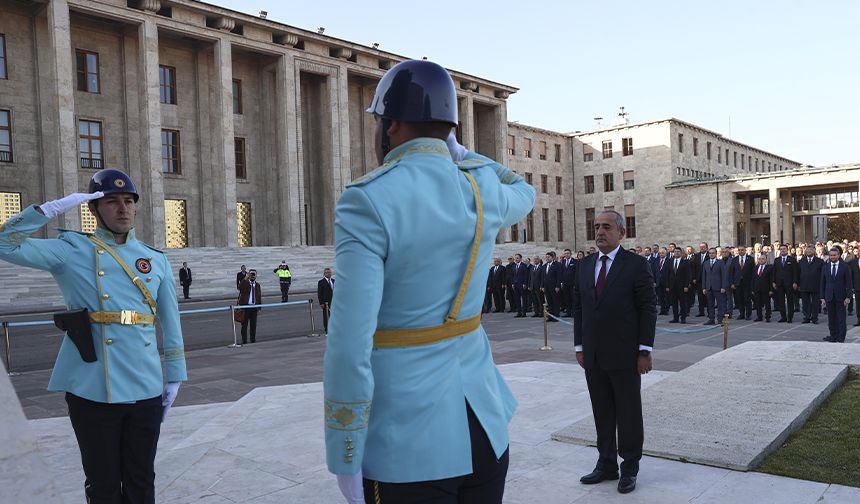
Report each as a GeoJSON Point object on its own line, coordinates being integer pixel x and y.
{"type": "Point", "coordinates": [134, 278]}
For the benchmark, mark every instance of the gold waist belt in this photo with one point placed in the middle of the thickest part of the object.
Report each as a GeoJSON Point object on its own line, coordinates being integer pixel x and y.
{"type": "Point", "coordinates": [425, 335]}
{"type": "Point", "coordinates": [124, 317]}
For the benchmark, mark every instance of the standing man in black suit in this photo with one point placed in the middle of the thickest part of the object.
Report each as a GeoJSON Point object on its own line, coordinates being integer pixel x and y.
{"type": "Point", "coordinates": [241, 276]}
{"type": "Point", "coordinates": [785, 283]}
{"type": "Point", "coordinates": [551, 286]}
{"type": "Point", "coordinates": [660, 271]}
{"type": "Point", "coordinates": [741, 270]}
{"type": "Point", "coordinates": [809, 281]}
{"type": "Point", "coordinates": [496, 282]}
{"type": "Point", "coordinates": [701, 258]}
{"type": "Point", "coordinates": [509, 286]}
{"type": "Point", "coordinates": [613, 332]}
{"type": "Point", "coordinates": [854, 266]}
{"type": "Point", "coordinates": [567, 278]}
{"type": "Point", "coordinates": [325, 292]}
{"type": "Point", "coordinates": [715, 281]}
{"type": "Point", "coordinates": [696, 271]}
{"type": "Point", "coordinates": [762, 287]}
{"type": "Point", "coordinates": [519, 282]}
{"type": "Point", "coordinates": [535, 284]}
{"type": "Point", "coordinates": [185, 279]}
{"type": "Point", "coordinates": [678, 285]}
{"type": "Point", "coordinates": [836, 292]}
{"type": "Point", "coordinates": [250, 293]}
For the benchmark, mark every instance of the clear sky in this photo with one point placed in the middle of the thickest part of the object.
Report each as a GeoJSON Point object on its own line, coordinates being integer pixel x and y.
{"type": "Point", "coordinates": [782, 76]}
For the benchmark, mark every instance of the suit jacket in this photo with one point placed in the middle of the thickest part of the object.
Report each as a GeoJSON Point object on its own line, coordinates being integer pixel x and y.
{"type": "Point", "coordinates": [696, 265]}
{"type": "Point", "coordinates": [739, 276]}
{"type": "Point", "coordinates": [239, 277]}
{"type": "Point", "coordinates": [509, 274]}
{"type": "Point", "coordinates": [610, 329]}
{"type": "Point", "coordinates": [764, 282]}
{"type": "Point", "coordinates": [497, 278]}
{"type": "Point", "coordinates": [661, 276]}
{"type": "Point", "coordinates": [185, 276]}
{"type": "Point", "coordinates": [716, 276]}
{"type": "Point", "coordinates": [569, 273]}
{"type": "Point", "coordinates": [785, 275]}
{"type": "Point", "coordinates": [854, 266]}
{"type": "Point", "coordinates": [535, 276]}
{"type": "Point", "coordinates": [839, 287]}
{"type": "Point", "coordinates": [680, 279]}
{"type": "Point", "coordinates": [245, 293]}
{"type": "Point", "coordinates": [325, 291]}
{"type": "Point", "coordinates": [520, 274]}
{"type": "Point", "coordinates": [552, 274]}
{"type": "Point", "coordinates": [809, 274]}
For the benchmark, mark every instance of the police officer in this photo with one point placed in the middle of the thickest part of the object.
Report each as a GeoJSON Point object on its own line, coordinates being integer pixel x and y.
{"type": "Point", "coordinates": [285, 278]}
{"type": "Point", "coordinates": [115, 287]}
{"type": "Point", "coordinates": [405, 340]}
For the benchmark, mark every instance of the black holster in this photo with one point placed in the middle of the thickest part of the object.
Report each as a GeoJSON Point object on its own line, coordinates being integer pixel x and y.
{"type": "Point", "coordinates": [76, 324]}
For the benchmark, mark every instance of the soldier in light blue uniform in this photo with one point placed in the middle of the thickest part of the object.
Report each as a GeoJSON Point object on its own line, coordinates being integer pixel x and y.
{"type": "Point", "coordinates": [118, 400]}
{"type": "Point", "coordinates": [415, 407]}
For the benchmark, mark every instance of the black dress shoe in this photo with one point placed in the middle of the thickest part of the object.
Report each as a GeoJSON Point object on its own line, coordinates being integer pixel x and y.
{"type": "Point", "coordinates": [781, 320]}
{"type": "Point", "coordinates": [749, 317]}
{"type": "Point", "coordinates": [673, 321]}
{"type": "Point", "coordinates": [759, 319]}
{"type": "Point", "coordinates": [627, 484]}
{"type": "Point", "coordinates": [683, 320]}
{"type": "Point", "coordinates": [537, 315]}
{"type": "Point", "coordinates": [596, 476]}
{"type": "Point", "coordinates": [700, 314]}
{"type": "Point", "coordinates": [710, 322]}
{"type": "Point", "coordinates": [826, 338]}
{"type": "Point", "coordinates": [767, 320]}
{"type": "Point", "coordinates": [805, 321]}
{"type": "Point", "coordinates": [857, 324]}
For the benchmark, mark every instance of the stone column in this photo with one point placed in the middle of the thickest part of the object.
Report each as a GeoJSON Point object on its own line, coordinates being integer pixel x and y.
{"type": "Point", "coordinates": [787, 218]}
{"type": "Point", "coordinates": [773, 197]}
{"type": "Point", "coordinates": [341, 154]}
{"type": "Point", "coordinates": [224, 161]}
{"type": "Point", "coordinates": [152, 182]}
{"type": "Point", "coordinates": [63, 149]}
{"type": "Point", "coordinates": [287, 152]}
{"type": "Point", "coordinates": [468, 115]}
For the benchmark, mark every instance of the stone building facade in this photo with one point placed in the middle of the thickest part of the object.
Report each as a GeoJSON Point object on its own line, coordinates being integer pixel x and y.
{"type": "Point", "coordinates": [239, 130]}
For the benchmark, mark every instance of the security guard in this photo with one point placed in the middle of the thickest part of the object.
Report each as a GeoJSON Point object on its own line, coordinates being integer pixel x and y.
{"type": "Point", "coordinates": [115, 287]}
{"type": "Point", "coordinates": [285, 278]}
{"type": "Point", "coordinates": [415, 408]}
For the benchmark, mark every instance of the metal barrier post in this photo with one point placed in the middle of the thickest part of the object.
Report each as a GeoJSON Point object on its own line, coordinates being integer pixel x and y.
{"type": "Point", "coordinates": [233, 325]}
{"type": "Point", "coordinates": [725, 331]}
{"type": "Point", "coordinates": [8, 342]}
{"type": "Point", "coordinates": [545, 347]}
{"type": "Point", "coordinates": [313, 333]}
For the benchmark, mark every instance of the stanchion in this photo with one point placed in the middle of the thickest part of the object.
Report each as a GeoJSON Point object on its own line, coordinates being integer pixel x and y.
{"type": "Point", "coordinates": [545, 347]}
{"type": "Point", "coordinates": [233, 325]}
{"type": "Point", "coordinates": [725, 331]}
{"type": "Point", "coordinates": [8, 342]}
{"type": "Point", "coordinates": [313, 333]}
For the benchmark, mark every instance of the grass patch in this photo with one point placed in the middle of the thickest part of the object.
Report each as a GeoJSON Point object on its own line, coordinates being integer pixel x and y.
{"type": "Point", "coordinates": [827, 448]}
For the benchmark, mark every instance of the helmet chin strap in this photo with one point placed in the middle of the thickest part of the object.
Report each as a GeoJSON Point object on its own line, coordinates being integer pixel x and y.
{"type": "Point", "coordinates": [386, 141]}
{"type": "Point", "coordinates": [103, 222]}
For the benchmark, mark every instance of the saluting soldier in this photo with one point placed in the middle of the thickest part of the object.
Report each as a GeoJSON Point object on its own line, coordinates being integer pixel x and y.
{"type": "Point", "coordinates": [108, 364]}
{"type": "Point", "coordinates": [413, 400]}
{"type": "Point", "coordinates": [285, 279]}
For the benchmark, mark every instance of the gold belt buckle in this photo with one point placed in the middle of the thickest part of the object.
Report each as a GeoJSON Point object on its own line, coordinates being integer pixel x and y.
{"type": "Point", "coordinates": [127, 317]}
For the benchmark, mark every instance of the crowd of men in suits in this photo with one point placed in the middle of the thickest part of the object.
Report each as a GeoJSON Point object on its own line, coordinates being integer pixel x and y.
{"type": "Point", "coordinates": [736, 281]}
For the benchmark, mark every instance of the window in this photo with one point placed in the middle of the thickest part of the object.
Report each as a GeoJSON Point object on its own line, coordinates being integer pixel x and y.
{"type": "Point", "coordinates": [170, 152]}
{"type": "Point", "coordinates": [558, 153]}
{"type": "Point", "coordinates": [695, 146]}
{"type": "Point", "coordinates": [3, 73]}
{"type": "Point", "coordinates": [5, 138]}
{"type": "Point", "coordinates": [743, 162]}
{"type": "Point", "coordinates": [756, 164]}
{"type": "Point", "coordinates": [529, 178]}
{"type": "Point", "coordinates": [735, 155]}
{"type": "Point", "coordinates": [719, 155]}
{"type": "Point", "coordinates": [511, 141]}
{"type": "Point", "coordinates": [587, 153]}
{"type": "Point", "coordinates": [175, 224]}
{"type": "Point", "coordinates": [515, 232]}
{"type": "Point", "coordinates": [559, 224]}
{"type": "Point", "coordinates": [90, 143]}
{"type": "Point", "coordinates": [542, 150]}
{"type": "Point", "coordinates": [627, 146]}
{"type": "Point", "coordinates": [589, 223]}
{"type": "Point", "coordinates": [167, 84]}
{"type": "Point", "coordinates": [530, 226]}
{"type": "Point", "coordinates": [607, 149]}
{"type": "Point", "coordinates": [87, 71]}
{"type": "Point", "coordinates": [545, 215]}
{"type": "Point", "coordinates": [589, 184]}
{"type": "Point", "coordinates": [239, 147]}
{"type": "Point", "coordinates": [629, 182]}
{"type": "Point", "coordinates": [630, 220]}
{"type": "Point", "coordinates": [10, 205]}
{"type": "Point", "coordinates": [237, 96]}
{"type": "Point", "coordinates": [708, 150]}
{"type": "Point", "coordinates": [727, 157]}
{"type": "Point", "coordinates": [608, 182]}
{"type": "Point", "coordinates": [527, 147]}
{"type": "Point", "coordinates": [680, 142]}
{"type": "Point", "coordinates": [243, 223]}
{"type": "Point", "coordinates": [558, 185]}
{"type": "Point", "coordinates": [544, 184]}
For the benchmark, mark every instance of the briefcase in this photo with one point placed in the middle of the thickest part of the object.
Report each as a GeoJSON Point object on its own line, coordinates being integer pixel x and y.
{"type": "Point", "coordinates": [239, 315]}
{"type": "Point", "coordinates": [76, 324]}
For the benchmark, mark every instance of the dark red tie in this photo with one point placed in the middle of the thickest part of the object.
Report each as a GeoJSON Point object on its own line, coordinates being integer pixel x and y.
{"type": "Point", "coordinates": [601, 277]}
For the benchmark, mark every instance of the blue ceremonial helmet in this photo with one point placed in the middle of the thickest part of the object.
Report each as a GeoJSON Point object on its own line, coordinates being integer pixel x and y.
{"type": "Point", "coordinates": [416, 91]}
{"type": "Point", "coordinates": [110, 181]}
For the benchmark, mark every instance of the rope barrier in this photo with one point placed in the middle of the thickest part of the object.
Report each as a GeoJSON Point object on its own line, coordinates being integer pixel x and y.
{"type": "Point", "coordinates": [558, 319]}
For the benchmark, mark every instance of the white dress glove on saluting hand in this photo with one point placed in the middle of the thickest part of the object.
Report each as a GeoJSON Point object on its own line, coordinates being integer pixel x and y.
{"type": "Point", "coordinates": [54, 208]}
{"type": "Point", "coordinates": [171, 390]}
{"type": "Point", "coordinates": [351, 487]}
{"type": "Point", "coordinates": [458, 152]}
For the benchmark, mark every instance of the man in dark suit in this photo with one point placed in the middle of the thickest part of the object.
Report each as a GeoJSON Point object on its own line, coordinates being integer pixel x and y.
{"type": "Point", "coordinates": [185, 279]}
{"type": "Point", "coordinates": [551, 286]}
{"type": "Point", "coordinates": [740, 281]}
{"type": "Point", "coordinates": [513, 302]}
{"type": "Point", "coordinates": [695, 272]}
{"type": "Point", "coordinates": [715, 281]}
{"type": "Point", "coordinates": [241, 276]}
{"type": "Point", "coordinates": [614, 321]}
{"type": "Point", "coordinates": [854, 266]}
{"type": "Point", "coordinates": [496, 282]}
{"type": "Point", "coordinates": [660, 272]}
{"type": "Point", "coordinates": [535, 284]}
{"type": "Point", "coordinates": [730, 298]}
{"type": "Point", "coordinates": [678, 286]}
{"type": "Point", "coordinates": [519, 284]}
{"type": "Point", "coordinates": [250, 293]}
{"type": "Point", "coordinates": [325, 291]}
{"type": "Point", "coordinates": [836, 291]}
{"type": "Point", "coordinates": [809, 281]}
{"type": "Point", "coordinates": [785, 283]}
{"type": "Point", "coordinates": [699, 259]}
{"type": "Point", "coordinates": [567, 278]}
{"type": "Point", "coordinates": [762, 287]}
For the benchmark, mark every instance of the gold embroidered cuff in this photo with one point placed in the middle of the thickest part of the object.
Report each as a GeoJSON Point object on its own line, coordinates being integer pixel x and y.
{"type": "Point", "coordinates": [346, 416]}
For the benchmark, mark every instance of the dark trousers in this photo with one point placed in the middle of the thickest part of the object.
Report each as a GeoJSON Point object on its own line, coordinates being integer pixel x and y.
{"type": "Point", "coordinates": [679, 303]}
{"type": "Point", "coordinates": [185, 288]}
{"type": "Point", "coordinates": [691, 298]}
{"type": "Point", "coordinates": [117, 443]}
{"type": "Point", "coordinates": [527, 299]}
{"type": "Point", "coordinates": [522, 297]}
{"type": "Point", "coordinates": [488, 301]}
{"type": "Point", "coordinates": [511, 296]}
{"type": "Point", "coordinates": [762, 300]}
{"type": "Point", "coordinates": [663, 299]}
{"type": "Point", "coordinates": [716, 299]}
{"type": "Point", "coordinates": [537, 301]}
{"type": "Point", "coordinates": [325, 312]}
{"type": "Point", "coordinates": [250, 319]}
{"type": "Point", "coordinates": [552, 301]}
{"type": "Point", "coordinates": [785, 301]}
{"type": "Point", "coordinates": [811, 305]}
{"type": "Point", "coordinates": [486, 484]}
{"type": "Point", "coordinates": [703, 301]}
{"type": "Point", "coordinates": [285, 292]}
{"type": "Point", "coordinates": [742, 300]}
{"type": "Point", "coordinates": [836, 320]}
{"type": "Point", "coordinates": [499, 298]}
{"type": "Point", "coordinates": [857, 306]}
{"type": "Point", "coordinates": [567, 297]}
{"type": "Point", "coordinates": [617, 407]}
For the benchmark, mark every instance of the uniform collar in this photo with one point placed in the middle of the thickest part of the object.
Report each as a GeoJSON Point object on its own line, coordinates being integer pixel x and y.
{"type": "Point", "coordinates": [418, 146]}
{"type": "Point", "coordinates": [108, 237]}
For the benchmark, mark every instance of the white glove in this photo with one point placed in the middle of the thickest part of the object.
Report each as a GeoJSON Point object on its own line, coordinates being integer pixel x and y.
{"type": "Point", "coordinates": [171, 390]}
{"type": "Point", "coordinates": [458, 152]}
{"type": "Point", "coordinates": [351, 487]}
{"type": "Point", "coordinates": [54, 208]}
